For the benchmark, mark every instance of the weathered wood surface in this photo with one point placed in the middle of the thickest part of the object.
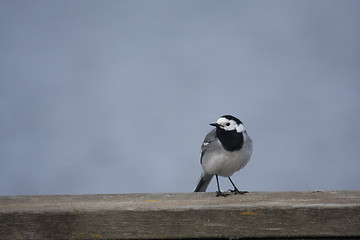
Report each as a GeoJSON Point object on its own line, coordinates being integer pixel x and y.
{"type": "Point", "coordinates": [181, 215]}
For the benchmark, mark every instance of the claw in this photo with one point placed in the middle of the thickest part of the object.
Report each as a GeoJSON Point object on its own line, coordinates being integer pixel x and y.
{"type": "Point", "coordinates": [236, 191]}
{"type": "Point", "coordinates": [218, 193]}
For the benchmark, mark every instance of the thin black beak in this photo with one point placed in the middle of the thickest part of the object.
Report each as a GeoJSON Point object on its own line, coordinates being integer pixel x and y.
{"type": "Point", "coordinates": [214, 124]}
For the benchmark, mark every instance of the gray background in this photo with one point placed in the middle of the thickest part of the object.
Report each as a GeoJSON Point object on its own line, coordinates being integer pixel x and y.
{"type": "Point", "coordinates": [116, 96]}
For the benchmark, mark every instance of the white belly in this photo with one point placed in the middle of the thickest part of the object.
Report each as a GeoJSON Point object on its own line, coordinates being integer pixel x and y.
{"type": "Point", "coordinates": [225, 163]}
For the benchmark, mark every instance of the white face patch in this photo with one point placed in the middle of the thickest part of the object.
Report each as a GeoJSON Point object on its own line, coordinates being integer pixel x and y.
{"type": "Point", "coordinates": [240, 128]}
{"type": "Point", "coordinates": [230, 125]}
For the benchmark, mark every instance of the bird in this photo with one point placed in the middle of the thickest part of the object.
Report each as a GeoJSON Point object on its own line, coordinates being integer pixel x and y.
{"type": "Point", "coordinates": [225, 150]}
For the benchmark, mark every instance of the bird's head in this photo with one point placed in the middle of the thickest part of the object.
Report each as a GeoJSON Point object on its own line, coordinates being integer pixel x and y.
{"type": "Point", "coordinates": [229, 123]}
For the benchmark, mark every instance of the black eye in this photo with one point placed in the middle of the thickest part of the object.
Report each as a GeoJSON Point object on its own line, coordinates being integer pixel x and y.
{"type": "Point", "coordinates": [227, 124]}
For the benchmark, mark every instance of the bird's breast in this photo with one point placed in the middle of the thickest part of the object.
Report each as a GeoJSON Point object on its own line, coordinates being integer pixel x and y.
{"type": "Point", "coordinates": [225, 163]}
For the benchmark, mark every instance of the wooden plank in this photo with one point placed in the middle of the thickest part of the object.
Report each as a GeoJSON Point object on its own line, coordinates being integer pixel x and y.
{"type": "Point", "coordinates": [181, 215]}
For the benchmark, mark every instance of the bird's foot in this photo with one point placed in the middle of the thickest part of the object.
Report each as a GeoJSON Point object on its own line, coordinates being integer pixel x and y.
{"type": "Point", "coordinates": [236, 191]}
{"type": "Point", "coordinates": [218, 193]}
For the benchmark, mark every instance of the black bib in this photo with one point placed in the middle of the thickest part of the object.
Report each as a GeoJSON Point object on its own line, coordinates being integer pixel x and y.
{"type": "Point", "coordinates": [231, 140]}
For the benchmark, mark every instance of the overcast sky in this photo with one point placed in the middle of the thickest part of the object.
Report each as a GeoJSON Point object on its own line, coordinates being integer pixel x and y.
{"type": "Point", "coordinates": [117, 96]}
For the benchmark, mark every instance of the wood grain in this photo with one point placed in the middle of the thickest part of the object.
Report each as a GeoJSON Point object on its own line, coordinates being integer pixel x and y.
{"type": "Point", "coordinates": [182, 215]}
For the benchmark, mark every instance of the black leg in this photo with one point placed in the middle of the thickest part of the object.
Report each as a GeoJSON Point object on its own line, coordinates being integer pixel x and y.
{"type": "Point", "coordinates": [236, 191]}
{"type": "Point", "coordinates": [218, 192]}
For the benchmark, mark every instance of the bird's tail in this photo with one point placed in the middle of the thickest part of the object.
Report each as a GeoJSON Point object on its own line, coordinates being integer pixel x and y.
{"type": "Point", "coordinates": [203, 182]}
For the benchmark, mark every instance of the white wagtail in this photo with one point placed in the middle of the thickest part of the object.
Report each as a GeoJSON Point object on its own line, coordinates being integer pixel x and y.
{"type": "Point", "coordinates": [225, 150]}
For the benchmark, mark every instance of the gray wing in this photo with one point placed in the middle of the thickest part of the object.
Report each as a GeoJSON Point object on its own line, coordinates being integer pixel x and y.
{"type": "Point", "coordinates": [209, 139]}
{"type": "Point", "coordinates": [205, 179]}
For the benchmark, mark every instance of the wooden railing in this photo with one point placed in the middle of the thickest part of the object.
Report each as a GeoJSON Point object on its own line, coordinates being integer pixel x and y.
{"type": "Point", "coordinates": [264, 215]}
